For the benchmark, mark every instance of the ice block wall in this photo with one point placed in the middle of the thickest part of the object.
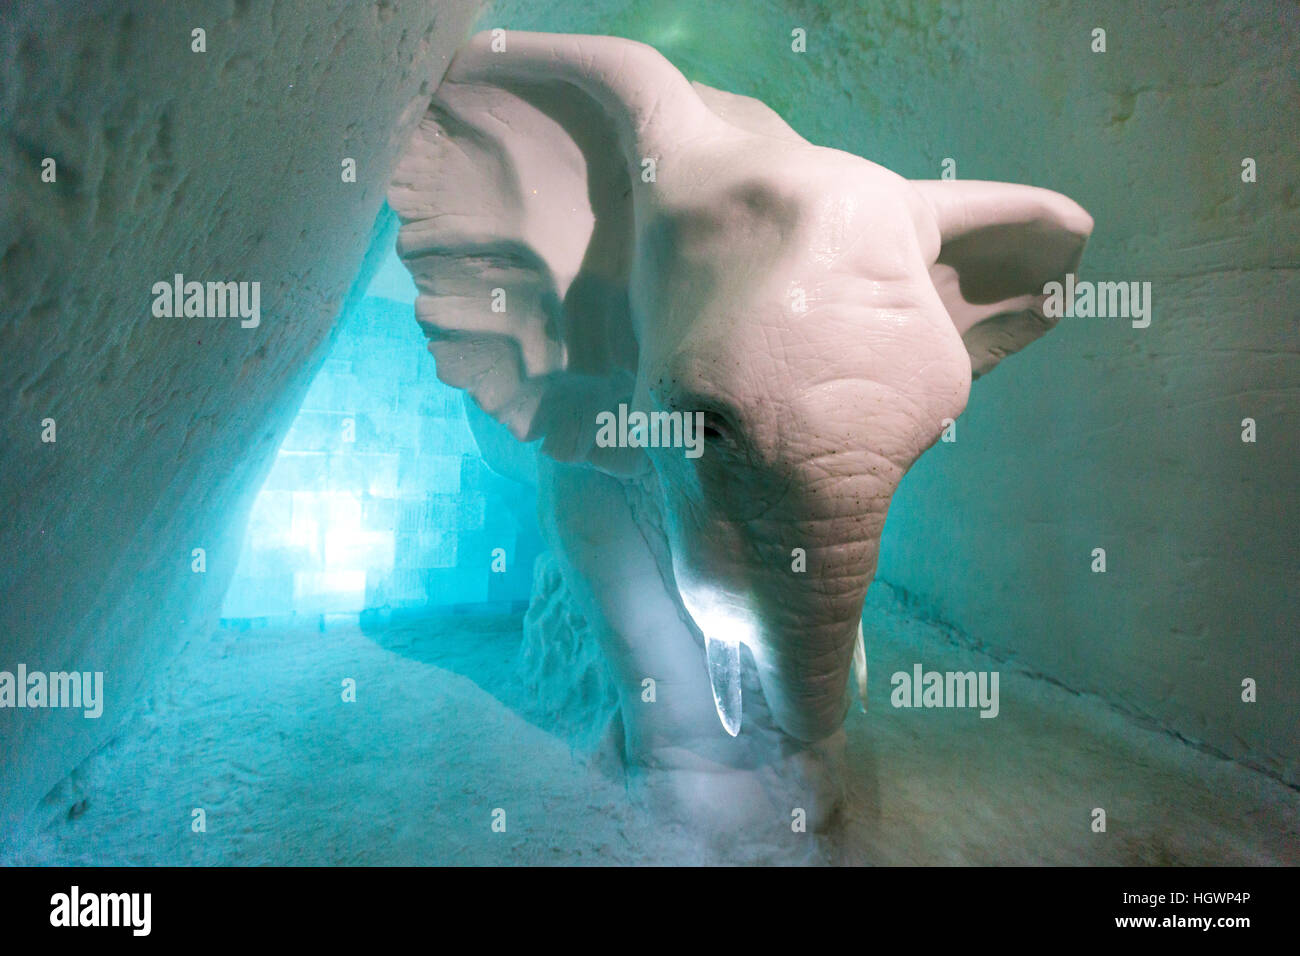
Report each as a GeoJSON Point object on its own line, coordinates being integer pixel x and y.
{"type": "Point", "coordinates": [378, 498]}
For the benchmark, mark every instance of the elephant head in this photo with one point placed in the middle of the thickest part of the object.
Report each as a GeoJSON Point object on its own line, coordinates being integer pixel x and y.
{"type": "Point", "coordinates": [589, 229]}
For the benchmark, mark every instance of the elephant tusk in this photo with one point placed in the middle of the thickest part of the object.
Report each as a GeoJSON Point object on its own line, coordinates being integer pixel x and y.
{"type": "Point", "coordinates": [860, 668]}
{"type": "Point", "coordinates": [724, 676]}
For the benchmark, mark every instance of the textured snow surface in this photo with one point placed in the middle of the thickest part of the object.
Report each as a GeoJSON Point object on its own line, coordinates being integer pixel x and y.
{"type": "Point", "coordinates": [223, 166]}
{"type": "Point", "coordinates": [252, 728]}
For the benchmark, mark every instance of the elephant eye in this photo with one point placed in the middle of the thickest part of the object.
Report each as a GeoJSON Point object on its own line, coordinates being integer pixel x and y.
{"type": "Point", "coordinates": [717, 429]}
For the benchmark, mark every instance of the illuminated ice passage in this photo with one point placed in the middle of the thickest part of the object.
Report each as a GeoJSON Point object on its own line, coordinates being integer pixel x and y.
{"type": "Point", "coordinates": [906, 607]}
{"type": "Point", "coordinates": [378, 500]}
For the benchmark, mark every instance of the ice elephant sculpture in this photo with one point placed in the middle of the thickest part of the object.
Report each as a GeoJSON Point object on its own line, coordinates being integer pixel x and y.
{"type": "Point", "coordinates": [589, 230]}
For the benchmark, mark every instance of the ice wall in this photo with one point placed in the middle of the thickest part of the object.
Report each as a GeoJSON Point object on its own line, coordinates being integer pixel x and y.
{"type": "Point", "coordinates": [222, 165]}
{"type": "Point", "coordinates": [378, 499]}
{"type": "Point", "coordinates": [1101, 435]}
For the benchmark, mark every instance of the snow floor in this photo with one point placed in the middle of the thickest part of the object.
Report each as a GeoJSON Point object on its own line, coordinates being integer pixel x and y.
{"type": "Point", "coordinates": [251, 727]}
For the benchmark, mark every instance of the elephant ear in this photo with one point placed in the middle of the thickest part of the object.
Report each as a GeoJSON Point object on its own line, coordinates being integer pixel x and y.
{"type": "Point", "coordinates": [516, 199]}
{"type": "Point", "coordinates": [1000, 244]}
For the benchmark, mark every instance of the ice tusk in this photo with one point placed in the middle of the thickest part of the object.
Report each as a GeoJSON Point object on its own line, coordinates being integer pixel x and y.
{"type": "Point", "coordinates": [724, 675]}
{"type": "Point", "coordinates": [860, 668]}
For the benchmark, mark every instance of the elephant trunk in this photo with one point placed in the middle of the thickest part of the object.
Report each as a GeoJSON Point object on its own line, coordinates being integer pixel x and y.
{"type": "Point", "coordinates": [808, 692]}
{"type": "Point", "coordinates": [810, 628]}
